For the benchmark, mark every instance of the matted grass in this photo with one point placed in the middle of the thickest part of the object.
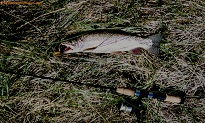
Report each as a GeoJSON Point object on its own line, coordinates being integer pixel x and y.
{"type": "Point", "coordinates": [29, 37]}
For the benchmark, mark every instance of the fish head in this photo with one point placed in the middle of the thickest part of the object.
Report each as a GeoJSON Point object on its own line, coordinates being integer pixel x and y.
{"type": "Point", "coordinates": [65, 48]}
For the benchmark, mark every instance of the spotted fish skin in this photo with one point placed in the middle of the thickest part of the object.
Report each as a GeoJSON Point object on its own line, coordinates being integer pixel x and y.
{"type": "Point", "coordinates": [112, 43]}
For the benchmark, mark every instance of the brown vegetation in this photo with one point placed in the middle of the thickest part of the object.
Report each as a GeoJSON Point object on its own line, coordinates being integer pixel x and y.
{"type": "Point", "coordinates": [29, 37]}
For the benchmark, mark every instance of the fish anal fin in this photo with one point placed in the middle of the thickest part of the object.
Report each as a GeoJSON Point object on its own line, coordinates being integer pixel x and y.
{"type": "Point", "coordinates": [136, 51]}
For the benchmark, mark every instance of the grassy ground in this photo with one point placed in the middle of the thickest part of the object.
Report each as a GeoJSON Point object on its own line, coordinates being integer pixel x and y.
{"type": "Point", "coordinates": [29, 36]}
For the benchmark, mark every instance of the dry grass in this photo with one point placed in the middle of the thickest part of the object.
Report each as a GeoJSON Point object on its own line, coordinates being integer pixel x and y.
{"type": "Point", "coordinates": [31, 33]}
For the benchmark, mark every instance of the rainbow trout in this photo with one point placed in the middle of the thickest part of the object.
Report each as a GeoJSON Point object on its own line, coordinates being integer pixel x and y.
{"type": "Point", "coordinates": [112, 43]}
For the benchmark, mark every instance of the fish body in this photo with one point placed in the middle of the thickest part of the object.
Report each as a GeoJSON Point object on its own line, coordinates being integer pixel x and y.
{"type": "Point", "coordinates": [112, 43]}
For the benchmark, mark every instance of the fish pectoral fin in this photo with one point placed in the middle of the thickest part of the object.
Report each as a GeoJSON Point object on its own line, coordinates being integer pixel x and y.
{"type": "Point", "coordinates": [116, 52]}
{"type": "Point", "coordinates": [90, 48]}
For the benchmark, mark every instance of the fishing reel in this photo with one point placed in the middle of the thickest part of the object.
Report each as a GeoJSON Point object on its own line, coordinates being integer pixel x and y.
{"type": "Point", "coordinates": [133, 107]}
{"type": "Point", "coordinates": [137, 107]}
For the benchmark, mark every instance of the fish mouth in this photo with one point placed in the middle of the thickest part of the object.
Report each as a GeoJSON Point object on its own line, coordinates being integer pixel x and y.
{"type": "Point", "coordinates": [57, 53]}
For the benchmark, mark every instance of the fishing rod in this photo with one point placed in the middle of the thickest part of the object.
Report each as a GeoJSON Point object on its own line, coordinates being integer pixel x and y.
{"type": "Point", "coordinates": [56, 79]}
{"type": "Point", "coordinates": [127, 104]}
{"type": "Point", "coordinates": [118, 90]}
{"type": "Point", "coordinates": [179, 98]}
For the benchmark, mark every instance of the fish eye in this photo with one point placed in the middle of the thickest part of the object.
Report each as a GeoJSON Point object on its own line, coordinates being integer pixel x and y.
{"type": "Point", "coordinates": [62, 48]}
{"type": "Point", "coordinates": [65, 48]}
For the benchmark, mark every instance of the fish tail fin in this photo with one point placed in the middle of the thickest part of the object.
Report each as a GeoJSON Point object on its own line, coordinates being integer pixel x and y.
{"type": "Point", "coordinates": [155, 47]}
